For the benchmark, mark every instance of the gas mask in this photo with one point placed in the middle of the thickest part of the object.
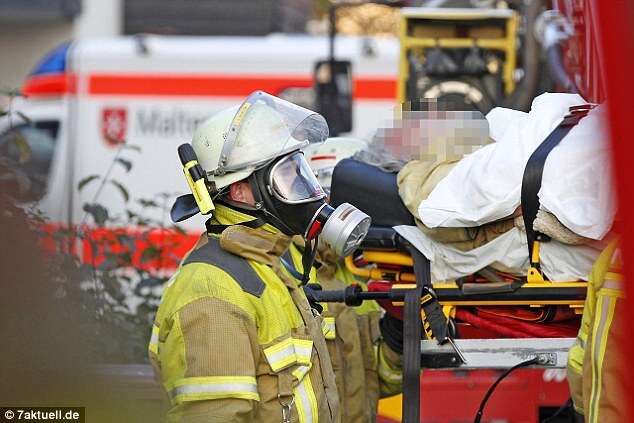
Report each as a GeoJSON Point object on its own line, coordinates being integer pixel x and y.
{"type": "Point", "coordinates": [289, 197]}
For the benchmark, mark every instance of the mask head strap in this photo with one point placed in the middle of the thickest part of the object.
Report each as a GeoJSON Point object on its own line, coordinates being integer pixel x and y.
{"type": "Point", "coordinates": [218, 229]}
{"type": "Point", "coordinates": [308, 259]}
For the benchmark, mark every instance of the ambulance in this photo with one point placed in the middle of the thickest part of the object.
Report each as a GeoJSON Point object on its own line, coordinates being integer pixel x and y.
{"type": "Point", "coordinates": [104, 117]}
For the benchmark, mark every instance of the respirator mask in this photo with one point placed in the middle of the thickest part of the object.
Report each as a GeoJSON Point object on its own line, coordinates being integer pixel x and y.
{"type": "Point", "coordinates": [289, 196]}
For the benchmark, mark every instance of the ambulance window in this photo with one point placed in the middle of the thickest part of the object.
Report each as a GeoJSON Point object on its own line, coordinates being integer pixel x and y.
{"type": "Point", "coordinates": [27, 152]}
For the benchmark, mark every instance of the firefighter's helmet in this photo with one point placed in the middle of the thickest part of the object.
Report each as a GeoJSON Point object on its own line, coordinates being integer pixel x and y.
{"type": "Point", "coordinates": [236, 141]}
{"type": "Point", "coordinates": [323, 157]}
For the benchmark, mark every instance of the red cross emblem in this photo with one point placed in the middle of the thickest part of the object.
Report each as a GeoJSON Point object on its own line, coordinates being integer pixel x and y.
{"type": "Point", "coordinates": [113, 125]}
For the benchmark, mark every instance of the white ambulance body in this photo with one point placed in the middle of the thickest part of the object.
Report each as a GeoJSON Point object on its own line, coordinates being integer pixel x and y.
{"type": "Point", "coordinates": [152, 91]}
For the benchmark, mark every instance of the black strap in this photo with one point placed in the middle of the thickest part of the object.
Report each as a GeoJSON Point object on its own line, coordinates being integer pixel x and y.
{"type": "Point", "coordinates": [237, 267]}
{"type": "Point", "coordinates": [309, 291]}
{"type": "Point", "coordinates": [308, 258]}
{"type": "Point", "coordinates": [434, 315]}
{"type": "Point", "coordinates": [534, 170]}
{"type": "Point", "coordinates": [218, 229]}
{"type": "Point", "coordinates": [287, 262]}
{"type": "Point", "coordinates": [412, 329]}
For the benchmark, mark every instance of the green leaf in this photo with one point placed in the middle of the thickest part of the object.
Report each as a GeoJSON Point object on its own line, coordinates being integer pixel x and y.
{"type": "Point", "coordinates": [126, 240]}
{"type": "Point", "coordinates": [127, 164]}
{"type": "Point", "coordinates": [125, 259]}
{"type": "Point", "coordinates": [149, 282]}
{"type": "Point", "coordinates": [85, 181]}
{"type": "Point", "coordinates": [110, 262]}
{"type": "Point", "coordinates": [98, 212]}
{"type": "Point", "coordinates": [150, 253]}
{"type": "Point", "coordinates": [147, 203]}
{"type": "Point", "coordinates": [131, 147]}
{"type": "Point", "coordinates": [122, 189]}
{"type": "Point", "coordinates": [113, 287]}
{"type": "Point", "coordinates": [24, 149]}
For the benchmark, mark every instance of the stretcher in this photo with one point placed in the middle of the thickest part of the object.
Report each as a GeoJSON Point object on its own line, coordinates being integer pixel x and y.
{"type": "Point", "coordinates": [385, 258]}
{"type": "Point", "coordinates": [440, 310]}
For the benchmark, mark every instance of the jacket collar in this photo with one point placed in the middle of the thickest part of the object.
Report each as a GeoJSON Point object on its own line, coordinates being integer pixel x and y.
{"type": "Point", "coordinates": [264, 244]}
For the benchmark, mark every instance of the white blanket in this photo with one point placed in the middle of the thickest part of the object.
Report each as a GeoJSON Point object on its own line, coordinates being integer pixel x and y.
{"type": "Point", "coordinates": [508, 252]}
{"type": "Point", "coordinates": [486, 185]}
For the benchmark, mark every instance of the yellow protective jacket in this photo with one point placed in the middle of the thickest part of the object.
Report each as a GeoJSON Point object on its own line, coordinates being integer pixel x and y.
{"type": "Point", "coordinates": [595, 361]}
{"type": "Point", "coordinates": [235, 340]}
{"type": "Point", "coordinates": [366, 369]}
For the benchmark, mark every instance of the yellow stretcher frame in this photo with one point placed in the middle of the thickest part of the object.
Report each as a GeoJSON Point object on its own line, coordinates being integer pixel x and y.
{"type": "Point", "coordinates": [506, 44]}
{"type": "Point", "coordinates": [449, 292]}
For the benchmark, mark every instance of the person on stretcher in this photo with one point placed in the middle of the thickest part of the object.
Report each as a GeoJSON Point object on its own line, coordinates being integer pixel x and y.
{"type": "Point", "coordinates": [460, 176]}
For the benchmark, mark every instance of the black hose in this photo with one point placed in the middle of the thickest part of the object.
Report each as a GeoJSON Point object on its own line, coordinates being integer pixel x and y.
{"type": "Point", "coordinates": [566, 406]}
{"type": "Point", "coordinates": [526, 363]}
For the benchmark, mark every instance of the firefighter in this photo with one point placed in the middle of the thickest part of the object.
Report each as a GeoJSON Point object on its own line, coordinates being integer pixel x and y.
{"type": "Point", "coordinates": [595, 361]}
{"type": "Point", "coordinates": [365, 347]}
{"type": "Point", "coordinates": [234, 338]}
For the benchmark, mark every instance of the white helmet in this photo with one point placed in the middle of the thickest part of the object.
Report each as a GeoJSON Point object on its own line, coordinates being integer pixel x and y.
{"type": "Point", "coordinates": [233, 143]}
{"type": "Point", "coordinates": [323, 157]}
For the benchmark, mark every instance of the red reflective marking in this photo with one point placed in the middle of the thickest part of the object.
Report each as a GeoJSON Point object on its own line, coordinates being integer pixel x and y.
{"type": "Point", "coordinates": [315, 158]}
{"type": "Point", "coordinates": [191, 85]}
{"type": "Point", "coordinates": [50, 84]}
{"type": "Point", "coordinates": [224, 85]}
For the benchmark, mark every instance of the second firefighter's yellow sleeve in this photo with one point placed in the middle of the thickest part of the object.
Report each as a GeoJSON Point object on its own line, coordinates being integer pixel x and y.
{"type": "Point", "coordinates": [390, 370]}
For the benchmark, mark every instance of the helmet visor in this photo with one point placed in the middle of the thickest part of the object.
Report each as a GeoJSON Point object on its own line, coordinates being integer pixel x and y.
{"type": "Point", "coordinates": [293, 181]}
{"type": "Point", "coordinates": [266, 127]}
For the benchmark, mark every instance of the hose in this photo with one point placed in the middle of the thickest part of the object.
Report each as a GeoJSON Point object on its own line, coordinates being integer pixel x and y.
{"type": "Point", "coordinates": [483, 404]}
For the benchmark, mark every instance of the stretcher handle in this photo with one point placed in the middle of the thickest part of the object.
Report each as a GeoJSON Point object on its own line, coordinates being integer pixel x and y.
{"type": "Point", "coordinates": [352, 295]}
{"type": "Point", "coordinates": [490, 287]}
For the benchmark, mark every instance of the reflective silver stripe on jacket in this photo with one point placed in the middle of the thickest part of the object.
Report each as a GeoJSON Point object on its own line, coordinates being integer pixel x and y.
{"type": "Point", "coordinates": [276, 357]}
{"type": "Point", "coordinates": [607, 304]}
{"type": "Point", "coordinates": [613, 284]}
{"type": "Point", "coordinates": [214, 388]}
{"type": "Point", "coordinates": [154, 340]}
{"type": "Point", "coordinates": [304, 406]}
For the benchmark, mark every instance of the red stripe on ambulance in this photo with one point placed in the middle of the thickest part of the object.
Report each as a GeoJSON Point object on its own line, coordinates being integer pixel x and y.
{"type": "Point", "coordinates": [366, 88]}
{"type": "Point", "coordinates": [224, 85]}
{"type": "Point", "coordinates": [49, 84]}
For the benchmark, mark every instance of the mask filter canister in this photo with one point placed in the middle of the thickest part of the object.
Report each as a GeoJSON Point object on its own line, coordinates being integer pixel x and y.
{"type": "Point", "coordinates": [342, 229]}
